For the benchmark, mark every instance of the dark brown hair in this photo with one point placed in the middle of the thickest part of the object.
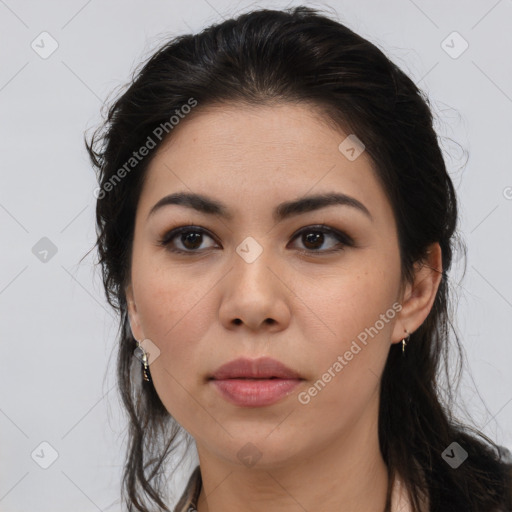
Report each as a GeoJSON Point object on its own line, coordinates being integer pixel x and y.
{"type": "Point", "coordinates": [299, 55]}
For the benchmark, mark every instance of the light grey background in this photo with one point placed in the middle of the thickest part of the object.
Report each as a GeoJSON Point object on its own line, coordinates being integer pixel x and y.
{"type": "Point", "coordinates": [57, 375]}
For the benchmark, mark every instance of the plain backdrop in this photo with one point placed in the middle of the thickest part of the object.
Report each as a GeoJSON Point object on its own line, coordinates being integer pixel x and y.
{"type": "Point", "coordinates": [58, 401]}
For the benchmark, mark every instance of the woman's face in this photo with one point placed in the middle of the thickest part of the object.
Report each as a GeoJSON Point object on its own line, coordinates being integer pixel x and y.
{"type": "Point", "coordinates": [265, 281]}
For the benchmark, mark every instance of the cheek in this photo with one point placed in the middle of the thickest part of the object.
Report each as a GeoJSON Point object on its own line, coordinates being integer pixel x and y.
{"type": "Point", "coordinates": [173, 316]}
{"type": "Point", "coordinates": [175, 312]}
{"type": "Point", "coordinates": [343, 306]}
{"type": "Point", "coordinates": [350, 339]}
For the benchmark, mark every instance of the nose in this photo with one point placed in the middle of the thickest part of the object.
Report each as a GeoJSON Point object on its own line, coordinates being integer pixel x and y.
{"type": "Point", "coordinates": [254, 295]}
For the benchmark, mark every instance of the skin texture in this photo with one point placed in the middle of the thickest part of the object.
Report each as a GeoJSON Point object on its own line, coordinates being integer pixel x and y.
{"type": "Point", "coordinates": [301, 308]}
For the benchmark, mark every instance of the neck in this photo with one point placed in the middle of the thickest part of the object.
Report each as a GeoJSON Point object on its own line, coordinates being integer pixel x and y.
{"type": "Point", "coordinates": [346, 473]}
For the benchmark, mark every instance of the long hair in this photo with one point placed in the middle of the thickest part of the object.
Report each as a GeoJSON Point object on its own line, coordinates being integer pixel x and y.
{"type": "Point", "coordinates": [301, 56]}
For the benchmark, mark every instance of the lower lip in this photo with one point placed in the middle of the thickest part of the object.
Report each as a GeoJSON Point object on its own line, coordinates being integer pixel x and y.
{"type": "Point", "coordinates": [255, 392]}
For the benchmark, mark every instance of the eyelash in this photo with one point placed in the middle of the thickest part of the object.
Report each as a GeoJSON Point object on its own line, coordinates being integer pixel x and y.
{"type": "Point", "coordinates": [343, 238]}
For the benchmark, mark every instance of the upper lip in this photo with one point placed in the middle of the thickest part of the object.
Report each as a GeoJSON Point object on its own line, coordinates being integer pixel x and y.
{"type": "Point", "coordinates": [264, 367]}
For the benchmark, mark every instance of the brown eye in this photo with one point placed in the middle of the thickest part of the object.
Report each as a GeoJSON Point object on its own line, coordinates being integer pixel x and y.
{"type": "Point", "coordinates": [191, 239]}
{"type": "Point", "coordinates": [314, 238]}
{"type": "Point", "coordinates": [188, 239]}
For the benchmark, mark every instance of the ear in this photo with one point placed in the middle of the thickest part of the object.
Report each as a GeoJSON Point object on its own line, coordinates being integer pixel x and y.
{"type": "Point", "coordinates": [133, 314]}
{"type": "Point", "coordinates": [419, 296]}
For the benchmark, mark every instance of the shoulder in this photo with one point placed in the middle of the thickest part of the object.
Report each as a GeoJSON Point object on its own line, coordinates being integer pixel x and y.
{"type": "Point", "coordinates": [506, 460]}
{"type": "Point", "coordinates": [483, 483]}
{"type": "Point", "coordinates": [505, 455]}
{"type": "Point", "coordinates": [487, 473]}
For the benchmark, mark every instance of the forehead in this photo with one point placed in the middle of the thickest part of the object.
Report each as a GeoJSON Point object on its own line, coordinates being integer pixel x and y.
{"type": "Point", "coordinates": [260, 155]}
{"type": "Point", "coordinates": [286, 131]}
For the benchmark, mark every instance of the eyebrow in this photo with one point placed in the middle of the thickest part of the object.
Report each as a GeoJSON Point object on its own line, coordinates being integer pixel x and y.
{"type": "Point", "coordinates": [210, 206]}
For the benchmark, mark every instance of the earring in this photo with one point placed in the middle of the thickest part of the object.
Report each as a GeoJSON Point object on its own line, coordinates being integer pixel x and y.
{"type": "Point", "coordinates": [144, 358]}
{"type": "Point", "coordinates": [404, 341]}
{"type": "Point", "coordinates": [147, 377]}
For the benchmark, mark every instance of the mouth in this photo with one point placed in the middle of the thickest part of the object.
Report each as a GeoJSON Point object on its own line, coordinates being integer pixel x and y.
{"type": "Point", "coordinates": [247, 378]}
{"type": "Point", "coordinates": [262, 368]}
{"type": "Point", "coordinates": [251, 392]}
{"type": "Point", "coordinates": [254, 383]}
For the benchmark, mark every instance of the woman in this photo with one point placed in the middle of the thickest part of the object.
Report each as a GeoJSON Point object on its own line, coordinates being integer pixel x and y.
{"type": "Point", "coordinates": [275, 227]}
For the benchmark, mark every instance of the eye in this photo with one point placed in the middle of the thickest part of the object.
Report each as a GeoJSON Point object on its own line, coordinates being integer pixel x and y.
{"type": "Point", "coordinates": [314, 237]}
{"type": "Point", "coordinates": [190, 238]}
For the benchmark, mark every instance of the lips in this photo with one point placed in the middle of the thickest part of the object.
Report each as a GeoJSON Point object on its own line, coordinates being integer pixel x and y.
{"type": "Point", "coordinates": [262, 368]}
{"type": "Point", "coordinates": [254, 383]}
